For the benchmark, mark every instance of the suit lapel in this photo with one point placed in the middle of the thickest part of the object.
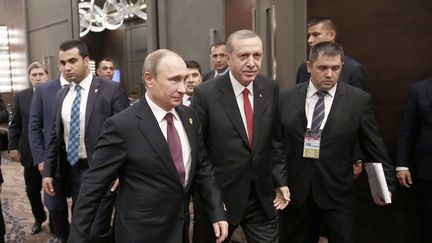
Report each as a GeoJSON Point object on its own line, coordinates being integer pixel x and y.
{"type": "Point", "coordinates": [149, 127]}
{"type": "Point", "coordinates": [229, 104]}
{"type": "Point", "coordinates": [91, 99]}
{"type": "Point", "coordinates": [337, 103]}
{"type": "Point", "coordinates": [190, 132]}
{"type": "Point", "coordinates": [260, 107]}
{"type": "Point", "coordinates": [301, 104]}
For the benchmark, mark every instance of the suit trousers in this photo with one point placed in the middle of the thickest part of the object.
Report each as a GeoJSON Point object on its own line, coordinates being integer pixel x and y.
{"type": "Point", "coordinates": [33, 182]}
{"type": "Point", "coordinates": [302, 224]}
{"type": "Point", "coordinates": [425, 191]}
{"type": "Point", "coordinates": [58, 209]}
{"type": "Point", "coordinates": [255, 224]}
{"type": "Point", "coordinates": [2, 226]}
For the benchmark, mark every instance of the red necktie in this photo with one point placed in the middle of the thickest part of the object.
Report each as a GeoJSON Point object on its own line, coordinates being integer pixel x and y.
{"type": "Point", "coordinates": [249, 114]}
{"type": "Point", "coordinates": [175, 147]}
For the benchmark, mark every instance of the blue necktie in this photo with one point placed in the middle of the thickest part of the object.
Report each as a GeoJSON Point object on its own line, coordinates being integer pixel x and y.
{"type": "Point", "coordinates": [319, 111]}
{"type": "Point", "coordinates": [74, 129]}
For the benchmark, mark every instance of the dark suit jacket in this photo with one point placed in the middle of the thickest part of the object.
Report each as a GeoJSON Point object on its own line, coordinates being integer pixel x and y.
{"type": "Point", "coordinates": [105, 99]}
{"type": "Point", "coordinates": [152, 205]}
{"type": "Point", "coordinates": [414, 148]}
{"type": "Point", "coordinates": [42, 118]}
{"type": "Point", "coordinates": [330, 178]}
{"type": "Point", "coordinates": [4, 114]}
{"type": "Point", "coordinates": [227, 144]}
{"type": "Point", "coordinates": [352, 73]}
{"type": "Point", "coordinates": [18, 128]}
{"type": "Point", "coordinates": [209, 75]}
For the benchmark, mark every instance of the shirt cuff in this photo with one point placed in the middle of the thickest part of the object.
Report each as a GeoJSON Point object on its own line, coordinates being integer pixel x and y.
{"type": "Point", "coordinates": [400, 168]}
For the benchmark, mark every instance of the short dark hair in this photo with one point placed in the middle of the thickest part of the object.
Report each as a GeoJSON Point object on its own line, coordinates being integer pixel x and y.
{"type": "Point", "coordinates": [81, 46]}
{"type": "Point", "coordinates": [323, 20]}
{"type": "Point", "coordinates": [326, 48]}
{"type": "Point", "coordinates": [217, 44]}
{"type": "Point", "coordinates": [193, 64]}
{"type": "Point", "coordinates": [106, 59]}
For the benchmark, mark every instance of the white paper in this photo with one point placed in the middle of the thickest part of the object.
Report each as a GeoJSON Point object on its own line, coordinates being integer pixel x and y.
{"type": "Point", "coordinates": [377, 181]}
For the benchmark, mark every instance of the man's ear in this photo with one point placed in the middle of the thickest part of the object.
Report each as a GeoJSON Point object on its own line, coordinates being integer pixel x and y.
{"type": "Point", "coordinates": [309, 66]}
{"type": "Point", "coordinates": [147, 79]}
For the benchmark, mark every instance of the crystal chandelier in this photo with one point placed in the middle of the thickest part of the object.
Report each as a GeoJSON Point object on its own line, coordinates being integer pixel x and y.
{"type": "Point", "coordinates": [111, 16]}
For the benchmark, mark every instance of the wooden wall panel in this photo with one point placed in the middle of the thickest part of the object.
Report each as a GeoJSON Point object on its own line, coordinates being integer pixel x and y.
{"type": "Point", "coordinates": [238, 15]}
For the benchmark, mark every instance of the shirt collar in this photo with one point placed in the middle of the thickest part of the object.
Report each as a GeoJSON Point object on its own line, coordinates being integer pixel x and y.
{"type": "Point", "coordinates": [238, 87]}
{"type": "Point", "coordinates": [63, 81]}
{"type": "Point", "coordinates": [158, 112]}
{"type": "Point", "coordinates": [223, 72]}
{"type": "Point", "coordinates": [311, 90]}
{"type": "Point", "coordinates": [85, 83]}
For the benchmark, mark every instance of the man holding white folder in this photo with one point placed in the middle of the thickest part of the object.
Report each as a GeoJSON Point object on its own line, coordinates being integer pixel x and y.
{"type": "Point", "coordinates": [321, 121]}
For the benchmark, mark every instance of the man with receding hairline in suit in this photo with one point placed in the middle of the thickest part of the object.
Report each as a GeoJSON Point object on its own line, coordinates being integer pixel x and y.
{"type": "Point", "coordinates": [156, 149]}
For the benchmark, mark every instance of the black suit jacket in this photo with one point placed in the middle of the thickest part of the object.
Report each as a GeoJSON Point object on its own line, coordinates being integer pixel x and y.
{"type": "Point", "coordinates": [18, 128]}
{"type": "Point", "coordinates": [227, 144]}
{"type": "Point", "coordinates": [152, 205]}
{"type": "Point", "coordinates": [209, 75]}
{"type": "Point", "coordinates": [330, 178]}
{"type": "Point", "coordinates": [352, 73]}
{"type": "Point", "coordinates": [105, 99]}
{"type": "Point", "coordinates": [414, 148]}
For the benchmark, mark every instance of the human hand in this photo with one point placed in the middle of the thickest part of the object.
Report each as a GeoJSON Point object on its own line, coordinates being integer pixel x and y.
{"type": "Point", "coordinates": [47, 184]}
{"type": "Point", "coordinates": [221, 231]}
{"type": "Point", "coordinates": [404, 178]}
{"type": "Point", "coordinates": [282, 198]}
{"type": "Point", "coordinates": [15, 155]}
{"type": "Point", "coordinates": [41, 167]}
{"type": "Point", "coordinates": [380, 201]}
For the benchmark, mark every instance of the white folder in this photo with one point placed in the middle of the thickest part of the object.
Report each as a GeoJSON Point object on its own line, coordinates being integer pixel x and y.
{"type": "Point", "coordinates": [377, 181]}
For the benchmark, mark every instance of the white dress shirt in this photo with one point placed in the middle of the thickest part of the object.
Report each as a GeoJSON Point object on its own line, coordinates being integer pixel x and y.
{"type": "Point", "coordinates": [160, 113]}
{"type": "Point", "coordinates": [312, 99]}
{"type": "Point", "coordinates": [238, 92]}
{"type": "Point", "coordinates": [221, 73]}
{"type": "Point", "coordinates": [66, 113]}
{"type": "Point", "coordinates": [186, 100]}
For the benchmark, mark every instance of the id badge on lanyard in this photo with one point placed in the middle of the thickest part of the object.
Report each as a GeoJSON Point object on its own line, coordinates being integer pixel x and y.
{"type": "Point", "coordinates": [312, 141]}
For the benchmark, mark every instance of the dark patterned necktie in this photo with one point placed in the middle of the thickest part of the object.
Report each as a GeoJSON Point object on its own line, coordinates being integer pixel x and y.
{"type": "Point", "coordinates": [319, 111]}
{"type": "Point", "coordinates": [175, 147]}
{"type": "Point", "coordinates": [74, 128]}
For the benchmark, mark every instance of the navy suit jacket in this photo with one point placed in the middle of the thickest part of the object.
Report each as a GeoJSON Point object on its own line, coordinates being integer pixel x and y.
{"type": "Point", "coordinates": [352, 73]}
{"type": "Point", "coordinates": [414, 148]}
{"type": "Point", "coordinates": [152, 205]}
{"type": "Point", "coordinates": [41, 118]}
{"type": "Point", "coordinates": [105, 98]}
{"type": "Point", "coordinates": [18, 128]}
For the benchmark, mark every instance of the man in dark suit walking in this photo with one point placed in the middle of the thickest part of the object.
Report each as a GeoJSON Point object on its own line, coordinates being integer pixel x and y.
{"type": "Point", "coordinates": [40, 126]}
{"type": "Point", "coordinates": [80, 112]}
{"type": "Point", "coordinates": [219, 61]}
{"type": "Point", "coordinates": [324, 29]}
{"type": "Point", "coordinates": [321, 121]}
{"type": "Point", "coordinates": [414, 149]}
{"type": "Point", "coordinates": [238, 112]}
{"type": "Point", "coordinates": [156, 148]}
{"type": "Point", "coordinates": [19, 148]}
